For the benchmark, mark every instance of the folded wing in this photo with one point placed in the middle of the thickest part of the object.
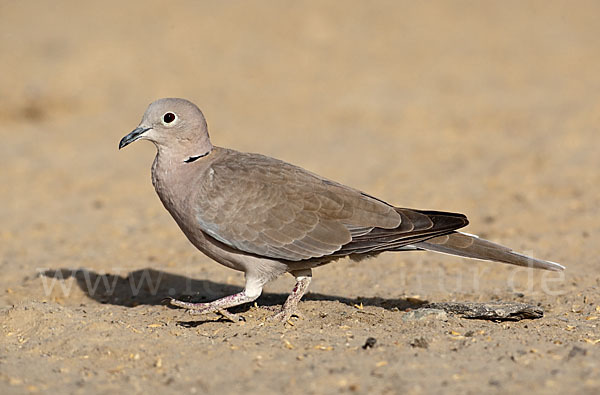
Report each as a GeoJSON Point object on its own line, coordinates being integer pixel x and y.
{"type": "Point", "coordinates": [270, 208]}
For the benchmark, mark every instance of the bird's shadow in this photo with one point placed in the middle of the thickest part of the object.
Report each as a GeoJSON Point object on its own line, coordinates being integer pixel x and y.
{"type": "Point", "coordinates": [151, 287]}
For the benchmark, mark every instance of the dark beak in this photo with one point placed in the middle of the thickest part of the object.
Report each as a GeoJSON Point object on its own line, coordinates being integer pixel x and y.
{"type": "Point", "coordinates": [131, 137]}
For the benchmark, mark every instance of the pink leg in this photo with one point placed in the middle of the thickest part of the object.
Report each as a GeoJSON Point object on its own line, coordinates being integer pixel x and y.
{"type": "Point", "coordinates": [290, 307]}
{"type": "Point", "coordinates": [250, 293]}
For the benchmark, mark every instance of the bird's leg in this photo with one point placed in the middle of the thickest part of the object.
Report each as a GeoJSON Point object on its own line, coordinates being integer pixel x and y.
{"type": "Point", "coordinates": [290, 307]}
{"type": "Point", "coordinates": [250, 293]}
{"type": "Point", "coordinates": [217, 305]}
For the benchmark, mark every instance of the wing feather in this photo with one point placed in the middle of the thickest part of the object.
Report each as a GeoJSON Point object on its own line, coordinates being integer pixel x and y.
{"type": "Point", "coordinates": [267, 207]}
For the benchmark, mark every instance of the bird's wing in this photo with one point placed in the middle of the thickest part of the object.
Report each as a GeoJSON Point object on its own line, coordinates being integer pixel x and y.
{"type": "Point", "coordinates": [271, 208]}
{"type": "Point", "coordinates": [415, 226]}
{"type": "Point", "coordinates": [267, 207]}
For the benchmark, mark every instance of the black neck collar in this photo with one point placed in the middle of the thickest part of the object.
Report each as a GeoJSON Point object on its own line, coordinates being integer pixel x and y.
{"type": "Point", "coordinates": [194, 158]}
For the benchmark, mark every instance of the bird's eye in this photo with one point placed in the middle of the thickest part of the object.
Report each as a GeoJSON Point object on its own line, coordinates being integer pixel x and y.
{"type": "Point", "coordinates": [168, 117]}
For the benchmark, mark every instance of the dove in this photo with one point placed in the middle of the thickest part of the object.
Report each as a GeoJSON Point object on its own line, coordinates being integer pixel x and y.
{"type": "Point", "coordinates": [266, 217]}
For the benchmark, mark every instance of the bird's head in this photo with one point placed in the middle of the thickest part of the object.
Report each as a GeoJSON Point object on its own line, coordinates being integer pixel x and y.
{"type": "Point", "coordinates": [175, 126]}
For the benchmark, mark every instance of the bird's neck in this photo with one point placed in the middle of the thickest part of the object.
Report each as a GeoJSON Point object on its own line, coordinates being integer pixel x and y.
{"type": "Point", "coordinates": [172, 175]}
{"type": "Point", "coordinates": [183, 149]}
{"type": "Point", "coordinates": [169, 178]}
{"type": "Point", "coordinates": [168, 170]}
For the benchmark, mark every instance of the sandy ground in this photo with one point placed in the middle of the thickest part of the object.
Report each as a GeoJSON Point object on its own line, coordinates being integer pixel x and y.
{"type": "Point", "coordinates": [486, 108]}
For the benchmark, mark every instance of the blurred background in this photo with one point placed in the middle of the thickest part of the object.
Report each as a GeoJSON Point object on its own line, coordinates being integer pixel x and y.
{"type": "Point", "coordinates": [486, 108]}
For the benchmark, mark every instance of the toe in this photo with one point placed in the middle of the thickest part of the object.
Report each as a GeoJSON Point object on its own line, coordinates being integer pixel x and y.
{"type": "Point", "coordinates": [231, 316]}
{"type": "Point", "coordinates": [284, 315]}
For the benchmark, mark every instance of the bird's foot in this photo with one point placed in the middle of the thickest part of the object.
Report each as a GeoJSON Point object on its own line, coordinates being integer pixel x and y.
{"type": "Point", "coordinates": [285, 314]}
{"type": "Point", "coordinates": [274, 308]}
{"type": "Point", "coordinates": [181, 303]}
{"type": "Point", "coordinates": [205, 308]}
{"type": "Point", "coordinates": [290, 307]}
{"type": "Point", "coordinates": [231, 316]}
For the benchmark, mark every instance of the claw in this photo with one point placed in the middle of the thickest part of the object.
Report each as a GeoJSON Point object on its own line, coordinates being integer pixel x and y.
{"type": "Point", "coordinates": [285, 315]}
{"type": "Point", "coordinates": [231, 316]}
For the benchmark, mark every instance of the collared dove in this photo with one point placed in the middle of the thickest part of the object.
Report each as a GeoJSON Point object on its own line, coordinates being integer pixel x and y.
{"type": "Point", "coordinates": [266, 217]}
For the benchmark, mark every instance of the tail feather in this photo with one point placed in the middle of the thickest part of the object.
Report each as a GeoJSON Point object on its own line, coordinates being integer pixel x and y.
{"type": "Point", "coordinates": [471, 246]}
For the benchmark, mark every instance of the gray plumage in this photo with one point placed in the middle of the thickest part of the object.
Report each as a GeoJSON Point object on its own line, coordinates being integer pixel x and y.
{"type": "Point", "coordinates": [265, 217]}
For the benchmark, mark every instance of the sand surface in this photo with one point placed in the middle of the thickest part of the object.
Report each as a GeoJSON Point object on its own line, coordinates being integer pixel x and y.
{"type": "Point", "coordinates": [491, 109]}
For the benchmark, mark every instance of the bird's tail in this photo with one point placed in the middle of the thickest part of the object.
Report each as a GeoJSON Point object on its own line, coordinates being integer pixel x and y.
{"type": "Point", "coordinates": [471, 246]}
